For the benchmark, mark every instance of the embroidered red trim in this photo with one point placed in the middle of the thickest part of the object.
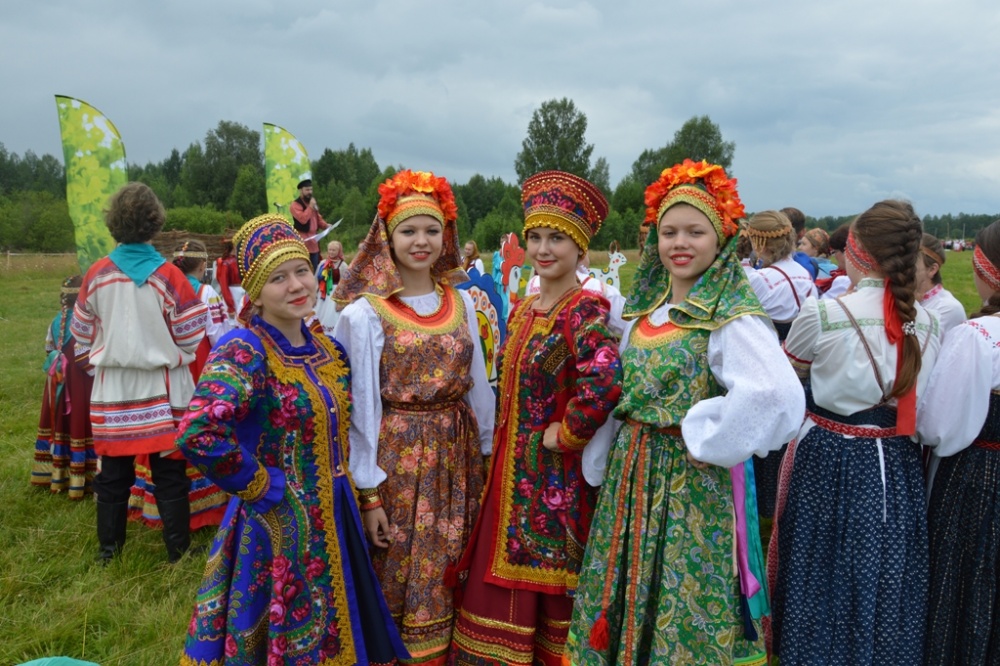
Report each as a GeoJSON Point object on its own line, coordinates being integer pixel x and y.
{"type": "Point", "coordinates": [852, 430]}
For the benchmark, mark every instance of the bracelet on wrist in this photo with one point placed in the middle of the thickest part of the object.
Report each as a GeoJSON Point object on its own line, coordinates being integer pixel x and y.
{"type": "Point", "coordinates": [369, 498]}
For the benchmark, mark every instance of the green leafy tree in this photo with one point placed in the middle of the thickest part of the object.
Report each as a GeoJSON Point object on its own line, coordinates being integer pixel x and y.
{"type": "Point", "coordinates": [248, 197]}
{"type": "Point", "coordinates": [489, 230]}
{"type": "Point", "coordinates": [629, 195]}
{"type": "Point", "coordinates": [36, 222]}
{"type": "Point", "coordinates": [600, 175]}
{"type": "Point", "coordinates": [209, 174]}
{"type": "Point", "coordinates": [481, 195]}
{"type": "Point", "coordinates": [556, 140]}
{"type": "Point", "coordinates": [350, 167]}
{"type": "Point", "coordinates": [697, 139]}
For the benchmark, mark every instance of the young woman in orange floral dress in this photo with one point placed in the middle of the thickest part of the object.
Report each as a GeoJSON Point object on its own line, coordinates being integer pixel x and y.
{"type": "Point", "coordinates": [423, 408]}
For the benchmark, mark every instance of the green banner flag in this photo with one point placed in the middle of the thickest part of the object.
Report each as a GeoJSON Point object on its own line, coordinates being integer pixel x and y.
{"type": "Point", "coordinates": [286, 163]}
{"type": "Point", "coordinates": [95, 169]}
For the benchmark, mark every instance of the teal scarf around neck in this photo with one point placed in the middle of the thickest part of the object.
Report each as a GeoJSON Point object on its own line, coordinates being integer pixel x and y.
{"type": "Point", "coordinates": [137, 260]}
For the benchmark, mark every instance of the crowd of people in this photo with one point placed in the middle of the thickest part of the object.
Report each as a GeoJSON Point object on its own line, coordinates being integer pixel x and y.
{"type": "Point", "coordinates": [781, 446]}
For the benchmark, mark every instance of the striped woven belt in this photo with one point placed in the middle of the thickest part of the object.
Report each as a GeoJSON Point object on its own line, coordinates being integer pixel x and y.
{"type": "Point", "coordinates": [422, 406]}
{"type": "Point", "coordinates": [852, 430]}
{"type": "Point", "coordinates": [985, 444]}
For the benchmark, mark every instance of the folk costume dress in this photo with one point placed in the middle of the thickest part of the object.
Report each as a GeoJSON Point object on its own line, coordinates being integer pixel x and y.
{"type": "Point", "coordinates": [959, 417]}
{"type": "Point", "coordinates": [288, 579]}
{"type": "Point", "coordinates": [143, 323]}
{"type": "Point", "coordinates": [423, 421]}
{"type": "Point", "coordinates": [557, 366]}
{"type": "Point", "coordinates": [525, 556]}
{"type": "Point", "coordinates": [673, 565]}
{"type": "Point", "coordinates": [328, 276]}
{"type": "Point", "coordinates": [228, 277]}
{"type": "Point", "coordinates": [208, 501]}
{"type": "Point", "coordinates": [65, 460]}
{"type": "Point", "coordinates": [949, 310]}
{"type": "Point", "coordinates": [847, 566]}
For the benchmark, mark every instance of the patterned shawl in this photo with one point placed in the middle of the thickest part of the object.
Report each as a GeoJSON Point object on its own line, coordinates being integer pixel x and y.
{"type": "Point", "coordinates": [721, 294]}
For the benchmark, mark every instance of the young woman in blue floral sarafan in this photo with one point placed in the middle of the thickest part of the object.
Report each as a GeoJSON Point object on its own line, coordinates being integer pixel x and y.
{"type": "Point", "coordinates": [288, 578]}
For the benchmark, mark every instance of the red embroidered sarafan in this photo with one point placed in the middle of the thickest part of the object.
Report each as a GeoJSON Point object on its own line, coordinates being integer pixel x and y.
{"type": "Point", "coordinates": [560, 365]}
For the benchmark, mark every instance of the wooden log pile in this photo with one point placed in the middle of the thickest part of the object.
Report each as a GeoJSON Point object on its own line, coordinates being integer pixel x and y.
{"type": "Point", "coordinates": [166, 241]}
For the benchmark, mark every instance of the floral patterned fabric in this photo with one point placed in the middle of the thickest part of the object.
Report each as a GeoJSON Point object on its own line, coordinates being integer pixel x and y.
{"type": "Point", "coordinates": [555, 366]}
{"type": "Point", "coordinates": [659, 563]}
{"type": "Point", "coordinates": [429, 446]}
{"type": "Point", "coordinates": [287, 580]}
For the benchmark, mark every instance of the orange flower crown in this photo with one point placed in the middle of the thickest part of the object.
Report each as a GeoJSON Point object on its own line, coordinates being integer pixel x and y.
{"type": "Point", "coordinates": [712, 178]}
{"type": "Point", "coordinates": [416, 182]}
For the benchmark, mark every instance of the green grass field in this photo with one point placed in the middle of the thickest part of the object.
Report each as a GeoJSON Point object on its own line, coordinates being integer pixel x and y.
{"type": "Point", "coordinates": [55, 599]}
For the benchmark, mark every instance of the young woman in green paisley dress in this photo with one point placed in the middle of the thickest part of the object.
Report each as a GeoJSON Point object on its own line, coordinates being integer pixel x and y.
{"type": "Point", "coordinates": [672, 572]}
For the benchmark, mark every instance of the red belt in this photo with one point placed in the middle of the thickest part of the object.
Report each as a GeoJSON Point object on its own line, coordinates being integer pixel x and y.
{"type": "Point", "coordinates": [852, 430]}
{"type": "Point", "coordinates": [984, 444]}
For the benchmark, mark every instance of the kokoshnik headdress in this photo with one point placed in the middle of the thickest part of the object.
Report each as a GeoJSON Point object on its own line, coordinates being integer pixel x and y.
{"type": "Point", "coordinates": [722, 293]}
{"type": "Point", "coordinates": [560, 200]}
{"type": "Point", "coordinates": [405, 195]}
{"type": "Point", "coordinates": [263, 244]}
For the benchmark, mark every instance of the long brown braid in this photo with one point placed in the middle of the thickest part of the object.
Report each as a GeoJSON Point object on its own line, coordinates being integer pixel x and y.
{"type": "Point", "coordinates": [891, 232]}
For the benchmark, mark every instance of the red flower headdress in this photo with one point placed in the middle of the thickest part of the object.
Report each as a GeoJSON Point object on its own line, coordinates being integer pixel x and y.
{"type": "Point", "coordinates": [432, 189]}
{"type": "Point", "coordinates": [713, 179]}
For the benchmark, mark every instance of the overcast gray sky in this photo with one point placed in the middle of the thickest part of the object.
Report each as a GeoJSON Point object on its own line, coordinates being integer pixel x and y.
{"type": "Point", "coordinates": [832, 105]}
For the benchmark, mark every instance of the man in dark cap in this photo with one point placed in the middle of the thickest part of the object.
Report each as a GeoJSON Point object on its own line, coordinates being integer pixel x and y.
{"type": "Point", "coordinates": [305, 213]}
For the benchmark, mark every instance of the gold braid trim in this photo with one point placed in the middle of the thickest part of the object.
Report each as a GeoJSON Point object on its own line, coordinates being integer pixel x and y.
{"type": "Point", "coordinates": [330, 367]}
{"type": "Point", "coordinates": [257, 487]}
{"type": "Point", "coordinates": [552, 218]}
{"type": "Point", "coordinates": [759, 233]}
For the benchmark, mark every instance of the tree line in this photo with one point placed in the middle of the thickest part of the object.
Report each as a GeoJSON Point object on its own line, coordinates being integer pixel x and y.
{"type": "Point", "coordinates": [216, 184]}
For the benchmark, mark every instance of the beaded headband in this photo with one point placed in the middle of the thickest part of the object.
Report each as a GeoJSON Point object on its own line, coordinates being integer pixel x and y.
{"type": "Point", "coordinates": [985, 269]}
{"type": "Point", "coordinates": [698, 198]}
{"type": "Point", "coordinates": [750, 232]}
{"type": "Point", "coordinates": [69, 290]}
{"type": "Point", "coordinates": [563, 201]}
{"type": "Point", "coordinates": [411, 206]}
{"type": "Point", "coordinates": [181, 254]}
{"type": "Point", "coordinates": [858, 255]}
{"type": "Point", "coordinates": [410, 193]}
{"type": "Point", "coordinates": [262, 244]}
{"type": "Point", "coordinates": [702, 185]}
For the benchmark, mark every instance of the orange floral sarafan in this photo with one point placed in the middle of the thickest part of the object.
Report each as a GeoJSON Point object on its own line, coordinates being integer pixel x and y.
{"type": "Point", "coordinates": [416, 182]}
{"type": "Point", "coordinates": [715, 182]}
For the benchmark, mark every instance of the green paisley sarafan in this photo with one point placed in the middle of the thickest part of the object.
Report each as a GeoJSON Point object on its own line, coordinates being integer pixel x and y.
{"type": "Point", "coordinates": [286, 162]}
{"type": "Point", "coordinates": [95, 169]}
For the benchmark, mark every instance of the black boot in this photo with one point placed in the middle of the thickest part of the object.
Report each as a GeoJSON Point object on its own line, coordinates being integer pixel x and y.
{"type": "Point", "coordinates": [176, 517]}
{"type": "Point", "coordinates": [112, 517]}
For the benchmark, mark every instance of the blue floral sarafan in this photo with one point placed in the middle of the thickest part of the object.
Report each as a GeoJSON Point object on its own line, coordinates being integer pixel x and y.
{"type": "Point", "coordinates": [288, 579]}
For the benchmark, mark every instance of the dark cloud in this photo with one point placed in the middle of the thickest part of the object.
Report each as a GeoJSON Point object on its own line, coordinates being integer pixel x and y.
{"type": "Point", "coordinates": [832, 106]}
